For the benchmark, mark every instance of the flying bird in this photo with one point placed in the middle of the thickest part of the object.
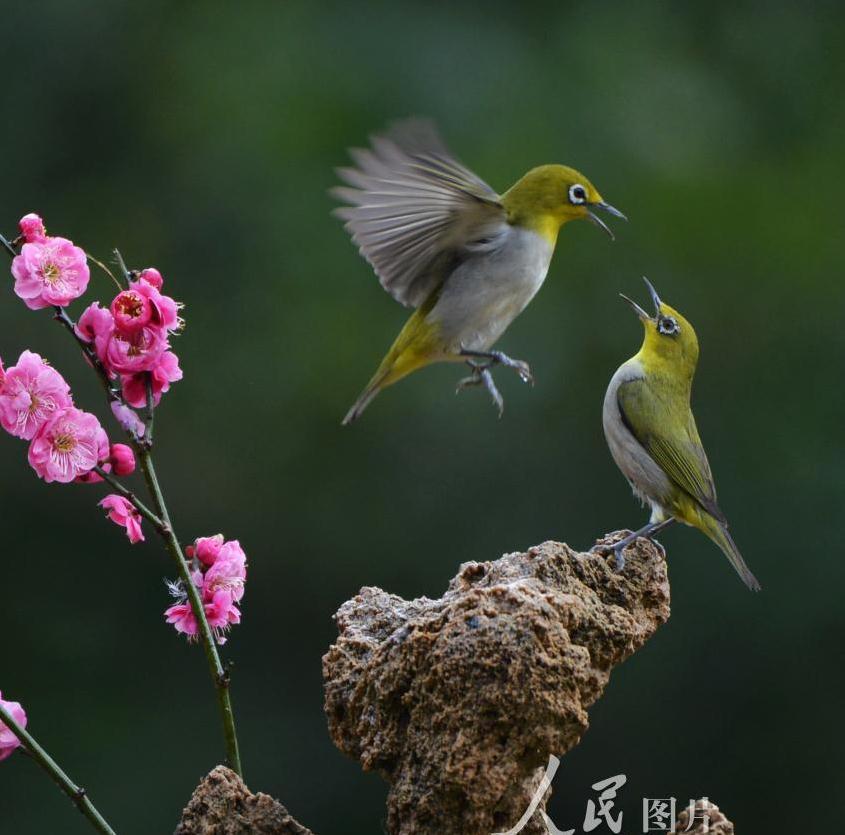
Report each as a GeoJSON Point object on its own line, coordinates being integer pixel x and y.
{"type": "Point", "coordinates": [443, 242]}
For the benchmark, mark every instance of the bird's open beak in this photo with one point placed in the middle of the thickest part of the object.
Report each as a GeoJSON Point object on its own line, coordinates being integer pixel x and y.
{"type": "Point", "coordinates": [605, 207]}
{"type": "Point", "coordinates": [638, 310]}
{"type": "Point", "coordinates": [654, 297]}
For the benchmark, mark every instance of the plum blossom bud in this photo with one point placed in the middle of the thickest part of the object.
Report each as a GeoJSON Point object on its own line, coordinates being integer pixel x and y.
{"type": "Point", "coordinates": [122, 459]}
{"type": "Point", "coordinates": [122, 512]}
{"type": "Point", "coordinates": [32, 229]}
{"type": "Point", "coordinates": [152, 276]}
{"type": "Point", "coordinates": [8, 740]}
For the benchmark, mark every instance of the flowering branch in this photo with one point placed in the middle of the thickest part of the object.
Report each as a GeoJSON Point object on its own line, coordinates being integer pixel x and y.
{"type": "Point", "coordinates": [128, 347]}
{"type": "Point", "coordinates": [76, 793]}
{"type": "Point", "coordinates": [219, 675]}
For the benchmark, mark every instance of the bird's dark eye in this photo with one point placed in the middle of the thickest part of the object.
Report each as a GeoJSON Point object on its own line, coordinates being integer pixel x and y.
{"type": "Point", "coordinates": [667, 325]}
{"type": "Point", "coordinates": [577, 194]}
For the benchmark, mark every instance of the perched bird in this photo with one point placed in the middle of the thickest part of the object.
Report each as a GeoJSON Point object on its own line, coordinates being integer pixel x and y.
{"type": "Point", "coordinates": [653, 439]}
{"type": "Point", "coordinates": [443, 242]}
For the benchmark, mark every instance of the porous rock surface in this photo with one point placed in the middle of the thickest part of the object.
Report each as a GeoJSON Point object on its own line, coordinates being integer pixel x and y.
{"type": "Point", "coordinates": [223, 805]}
{"type": "Point", "coordinates": [459, 702]}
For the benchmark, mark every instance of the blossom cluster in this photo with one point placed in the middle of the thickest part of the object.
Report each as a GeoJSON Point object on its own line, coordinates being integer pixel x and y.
{"type": "Point", "coordinates": [8, 740]}
{"type": "Point", "coordinates": [131, 337]}
{"type": "Point", "coordinates": [65, 443]}
{"type": "Point", "coordinates": [219, 573]}
{"type": "Point", "coordinates": [129, 342]}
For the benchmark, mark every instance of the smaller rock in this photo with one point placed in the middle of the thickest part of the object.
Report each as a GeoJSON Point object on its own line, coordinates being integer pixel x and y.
{"type": "Point", "coordinates": [223, 805]}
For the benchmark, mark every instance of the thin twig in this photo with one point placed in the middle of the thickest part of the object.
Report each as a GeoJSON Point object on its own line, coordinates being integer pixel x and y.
{"type": "Point", "coordinates": [105, 269]}
{"type": "Point", "coordinates": [148, 431]}
{"type": "Point", "coordinates": [76, 793]}
{"type": "Point", "coordinates": [123, 268]}
{"type": "Point", "coordinates": [8, 247]}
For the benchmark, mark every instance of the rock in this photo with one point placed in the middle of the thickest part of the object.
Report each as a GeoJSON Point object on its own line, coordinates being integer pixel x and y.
{"type": "Point", "coordinates": [223, 805]}
{"type": "Point", "coordinates": [459, 702]}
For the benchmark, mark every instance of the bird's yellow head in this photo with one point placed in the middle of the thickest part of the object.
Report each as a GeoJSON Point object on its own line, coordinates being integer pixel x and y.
{"type": "Point", "coordinates": [670, 343]}
{"type": "Point", "coordinates": [551, 195]}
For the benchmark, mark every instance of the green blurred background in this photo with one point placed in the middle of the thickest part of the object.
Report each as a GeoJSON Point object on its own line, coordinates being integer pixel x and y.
{"type": "Point", "coordinates": [201, 138]}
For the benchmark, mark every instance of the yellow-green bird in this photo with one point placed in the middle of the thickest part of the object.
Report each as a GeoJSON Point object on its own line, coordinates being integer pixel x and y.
{"type": "Point", "coordinates": [651, 432]}
{"type": "Point", "coordinates": [443, 242]}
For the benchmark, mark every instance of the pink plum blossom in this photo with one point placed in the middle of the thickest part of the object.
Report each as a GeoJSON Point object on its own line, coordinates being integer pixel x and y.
{"type": "Point", "coordinates": [130, 353]}
{"type": "Point", "coordinates": [165, 372]}
{"type": "Point", "coordinates": [128, 419]}
{"type": "Point", "coordinates": [206, 548]}
{"type": "Point", "coordinates": [220, 580]}
{"type": "Point", "coordinates": [8, 741]}
{"type": "Point", "coordinates": [50, 272]}
{"type": "Point", "coordinates": [122, 513]}
{"type": "Point", "coordinates": [131, 311]}
{"type": "Point", "coordinates": [96, 325]}
{"type": "Point", "coordinates": [165, 311]}
{"type": "Point", "coordinates": [228, 572]}
{"type": "Point", "coordinates": [220, 612]}
{"type": "Point", "coordinates": [70, 444]}
{"type": "Point", "coordinates": [32, 229]}
{"type": "Point", "coordinates": [122, 459]}
{"type": "Point", "coordinates": [32, 393]}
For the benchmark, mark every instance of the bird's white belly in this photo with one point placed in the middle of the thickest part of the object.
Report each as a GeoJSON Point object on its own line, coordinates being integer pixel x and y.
{"type": "Point", "coordinates": [647, 480]}
{"type": "Point", "coordinates": [486, 293]}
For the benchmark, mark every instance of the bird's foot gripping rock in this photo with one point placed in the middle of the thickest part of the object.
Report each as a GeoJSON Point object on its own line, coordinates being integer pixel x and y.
{"type": "Point", "coordinates": [459, 702]}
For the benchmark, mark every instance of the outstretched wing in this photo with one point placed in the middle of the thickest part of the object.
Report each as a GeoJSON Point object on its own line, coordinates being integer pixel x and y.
{"type": "Point", "coordinates": [414, 208]}
{"type": "Point", "coordinates": [667, 431]}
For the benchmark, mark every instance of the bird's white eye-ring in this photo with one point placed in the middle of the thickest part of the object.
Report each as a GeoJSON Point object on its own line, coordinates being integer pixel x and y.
{"type": "Point", "coordinates": [668, 326]}
{"type": "Point", "coordinates": [577, 194]}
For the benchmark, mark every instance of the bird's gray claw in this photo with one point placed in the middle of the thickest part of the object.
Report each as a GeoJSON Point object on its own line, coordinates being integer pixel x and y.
{"type": "Point", "coordinates": [619, 558]}
{"type": "Point", "coordinates": [524, 371]}
{"type": "Point", "coordinates": [468, 382]}
{"type": "Point", "coordinates": [618, 554]}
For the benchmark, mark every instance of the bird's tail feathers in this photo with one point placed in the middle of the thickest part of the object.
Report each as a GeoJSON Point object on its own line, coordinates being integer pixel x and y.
{"type": "Point", "coordinates": [416, 346]}
{"type": "Point", "coordinates": [366, 397]}
{"type": "Point", "coordinates": [718, 532]}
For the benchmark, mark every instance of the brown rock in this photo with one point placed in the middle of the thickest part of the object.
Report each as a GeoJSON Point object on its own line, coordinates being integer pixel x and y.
{"type": "Point", "coordinates": [707, 818]}
{"type": "Point", "coordinates": [223, 805]}
{"type": "Point", "coordinates": [459, 702]}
